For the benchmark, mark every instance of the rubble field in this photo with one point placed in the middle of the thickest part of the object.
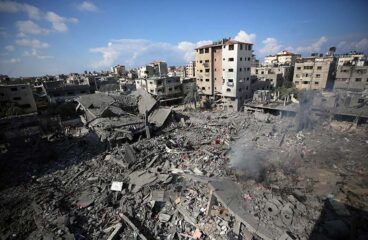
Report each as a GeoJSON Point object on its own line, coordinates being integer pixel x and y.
{"type": "Point", "coordinates": [207, 176]}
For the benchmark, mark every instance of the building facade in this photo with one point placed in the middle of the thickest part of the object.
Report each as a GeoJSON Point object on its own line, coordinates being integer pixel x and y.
{"type": "Point", "coordinates": [164, 88]}
{"type": "Point", "coordinates": [223, 73]}
{"type": "Point", "coordinates": [282, 58]}
{"type": "Point", "coordinates": [353, 78]}
{"type": "Point", "coordinates": [20, 95]}
{"type": "Point", "coordinates": [190, 70]}
{"type": "Point", "coordinates": [314, 72]}
{"type": "Point", "coordinates": [276, 75]}
{"type": "Point", "coordinates": [118, 70]}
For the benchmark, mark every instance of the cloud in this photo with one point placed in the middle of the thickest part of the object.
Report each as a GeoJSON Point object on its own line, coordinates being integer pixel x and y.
{"type": "Point", "coordinates": [58, 22]}
{"type": "Point", "coordinates": [314, 47]}
{"type": "Point", "coordinates": [242, 36]}
{"type": "Point", "coordinates": [14, 7]}
{"type": "Point", "coordinates": [270, 46]}
{"type": "Point", "coordinates": [9, 48]}
{"type": "Point", "coordinates": [33, 43]}
{"type": "Point", "coordinates": [361, 45]}
{"type": "Point", "coordinates": [36, 54]}
{"type": "Point", "coordinates": [87, 7]}
{"type": "Point", "coordinates": [29, 26]}
{"type": "Point", "coordinates": [14, 60]}
{"type": "Point", "coordinates": [136, 52]}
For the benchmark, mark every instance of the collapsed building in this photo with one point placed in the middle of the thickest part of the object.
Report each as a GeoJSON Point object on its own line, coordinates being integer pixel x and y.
{"type": "Point", "coordinates": [203, 175]}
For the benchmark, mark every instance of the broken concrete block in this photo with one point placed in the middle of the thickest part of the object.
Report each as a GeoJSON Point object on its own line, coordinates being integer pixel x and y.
{"type": "Point", "coordinates": [164, 217]}
{"type": "Point", "coordinates": [85, 200]}
{"type": "Point", "coordinates": [158, 196]}
{"type": "Point", "coordinates": [116, 186]}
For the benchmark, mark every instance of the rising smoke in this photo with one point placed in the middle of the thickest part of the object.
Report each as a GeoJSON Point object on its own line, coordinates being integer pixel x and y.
{"type": "Point", "coordinates": [248, 161]}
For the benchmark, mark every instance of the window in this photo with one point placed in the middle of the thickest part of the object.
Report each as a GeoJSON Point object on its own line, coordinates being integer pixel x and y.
{"type": "Point", "coordinates": [231, 47]}
{"type": "Point", "coordinates": [358, 79]}
{"type": "Point", "coordinates": [305, 82]}
{"type": "Point", "coordinates": [308, 67]}
{"type": "Point", "coordinates": [249, 47]}
{"type": "Point", "coordinates": [215, 69]}
{"type": "Point", "coordinates": [207, 70]}
{"type": "Point", "coordinates": [318, 75]}
{"type": "Point", "coordinates": [206, 50]}
{"type": "Point", "coordinates": [241, 46]}
{"type": "Point", "coordinates": [248, 69]}
{"type": "Point", "coordinates": [298, 68]}
{"type": "Point", "coordinates": [228, 90]}
{"type": "Point", "coordinates": [150, 82]}
{"type": "Point", "coordinates": [231, 59]}
{"type": "Point", "coordinates": [239, 89]}
{"type": "Point", "coordinates": [249, 59]}
{"type": "Point", "coordinates": [201, 70]}
{"type": "Point", "coordinates": [200, 61]}
{"type": "Point", "coordinates": [231, 70]}
{"type": "Point", "coordinates": [17, 98]}
{"type": "Point", "coordinates": [207, 80]}
{"type": "Point", "coordinates": [319, 68]}
{"type": "Point", "coordinates": [201, 51]}
{"type": "Point", "coordinates": [203, 88]}
{"type": "Point", "coordinates": [151, 90]}
{"type": "Point", "coordinates": [247, 78]}
{"type": "Point", "coordinates": [13, 89]}
{"type": "Point", "coordinates": [230, 80]}
{"type": "Point", "coordinates": [241, 59]}
{"type": "Point", "coordinates": [297, 75]}
{"type": "Point", "coordinates": [207, 61]}
{"type": "Point", "coordinates": [240, 69]}
{"type": "Point", "coordinates": [296, 82]}
{"type": "Point", "coordinates": [316, 83]}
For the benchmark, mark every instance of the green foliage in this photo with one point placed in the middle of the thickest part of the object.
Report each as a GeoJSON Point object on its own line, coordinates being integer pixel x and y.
{"type": "Point", "coordinates": [286, 89]}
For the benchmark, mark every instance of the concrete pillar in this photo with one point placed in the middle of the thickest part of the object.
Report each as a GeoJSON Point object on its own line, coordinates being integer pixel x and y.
{"type": "Point", "coordinates": [211, 200]}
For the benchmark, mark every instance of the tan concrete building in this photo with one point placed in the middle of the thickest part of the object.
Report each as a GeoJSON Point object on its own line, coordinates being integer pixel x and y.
{"type": "Point", "coordinates": [20, 95]}
{"type": "Point", "coordinates": [314, 72]}
{"type": "Point", "coordinates": [190, 70]}
{"type": "Point", "coordinates": [276, 75]}
{"type": "Point", "coordinates": [162, 87]}
{"type": "Point", "coordinates": [223, 73]}
{"type": "Point", "coordinates": [282, 58]}
{"type": "Point", "coordinates": [353, 78]}
{"type": "Point", "coordinates": [118, 70]}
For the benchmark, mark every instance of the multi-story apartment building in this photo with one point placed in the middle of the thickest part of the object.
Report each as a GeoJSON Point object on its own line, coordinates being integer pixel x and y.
{"type": "Point", "coordinates": [223, 73]}
{"type": "Point", "coordinates": [316, 72]}
{"type": "Point", "coordinates": [162, 87]}
{"type": "Point", "coordinates": [276, 74]}
{"type": "Point", "coordinates": [351, 76]}
{"type": "Point", "coordinates": [358, 59]}
{"type": "Point", "coordinates": [118, 70]}
{"type": "Point", "coordinates": [154, 69]}
{"type": "Point", "coordinates": [18, 94]}
{"type": "Point", "coordinates": [190, 70]}
{"type": "Point", "coordinates": [282, 58]}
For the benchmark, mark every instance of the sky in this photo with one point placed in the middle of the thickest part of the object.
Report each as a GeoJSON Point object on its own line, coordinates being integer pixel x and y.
{"type": "Point", "coordinates": [62, 36]}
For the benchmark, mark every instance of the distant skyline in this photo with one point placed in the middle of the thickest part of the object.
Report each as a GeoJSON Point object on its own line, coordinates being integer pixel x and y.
{"type": "Point", "coordinates": [52, 37]}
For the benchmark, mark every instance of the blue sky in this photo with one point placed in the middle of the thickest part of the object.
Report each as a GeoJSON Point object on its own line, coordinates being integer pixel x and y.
{"type": "Point", "coordinates": [50, 37]}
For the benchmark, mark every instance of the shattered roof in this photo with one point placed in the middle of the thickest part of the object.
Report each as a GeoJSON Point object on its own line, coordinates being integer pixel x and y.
{"type": "Point", "coordinates": [159, 116]}
{"type": "Point", "coordinates": [96, 103]}
{"type": "Point", "coordinates": [146, 102]}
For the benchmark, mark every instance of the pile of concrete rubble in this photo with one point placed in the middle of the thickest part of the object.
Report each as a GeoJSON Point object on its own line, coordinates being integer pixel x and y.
{"type": "Point", "coordinates": [183, 182]}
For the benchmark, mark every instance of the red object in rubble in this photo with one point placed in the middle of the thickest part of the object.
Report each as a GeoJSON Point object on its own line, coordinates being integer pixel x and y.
{"type": "Point", "coordinates": [217, 140]}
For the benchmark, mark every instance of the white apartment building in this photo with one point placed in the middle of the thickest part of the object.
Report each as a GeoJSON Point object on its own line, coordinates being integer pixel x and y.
{"type": "Point", "coordinates": [223, 73]}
